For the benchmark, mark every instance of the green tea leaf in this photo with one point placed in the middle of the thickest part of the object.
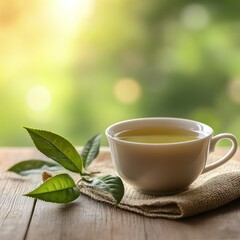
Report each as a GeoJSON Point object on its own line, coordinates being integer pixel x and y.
{"type": "Point", "coordinates": [91, 150]}
{"type": "Point", "coordinates": [110, 183]}
{"type": "Point", "coordinates": [34, 166]}
{"type": "Point", "coordinates": [59, 189]}
{"type": "Point", "coordinates": [57, 148]}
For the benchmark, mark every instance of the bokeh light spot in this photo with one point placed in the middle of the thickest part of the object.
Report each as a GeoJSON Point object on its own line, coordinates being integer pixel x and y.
{"type": "Point", "coordinates": [195, 16]}
{"type": "Point", "coordinates": [81, 8]}
{"type": "Point", "coordinates": [234, 90]}
{"type": "Point", "coordinates": [127, 90]}
{"type": "Point", "coordinates": [39, 98]}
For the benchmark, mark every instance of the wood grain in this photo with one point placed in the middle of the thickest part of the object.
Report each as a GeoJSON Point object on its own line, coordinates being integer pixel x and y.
{"type": "Point", "coordinates": [88, 219]}
{"type": "Point", "coordinates": [84, 219]}
{"type": "Point", "coordinates": [15, 210]}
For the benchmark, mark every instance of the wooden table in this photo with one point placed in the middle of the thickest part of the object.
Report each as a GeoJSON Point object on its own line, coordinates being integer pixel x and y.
{"type": "Point", "coordinates": [25, 218]}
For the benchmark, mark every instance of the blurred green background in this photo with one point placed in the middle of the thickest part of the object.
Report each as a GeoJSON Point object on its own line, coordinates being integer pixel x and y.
{"type": "Point", "coordinates": [76, 66]}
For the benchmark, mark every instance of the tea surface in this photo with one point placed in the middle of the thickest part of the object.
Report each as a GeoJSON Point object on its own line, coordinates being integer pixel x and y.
{"type": "Point", "coordinates": [158, 135]}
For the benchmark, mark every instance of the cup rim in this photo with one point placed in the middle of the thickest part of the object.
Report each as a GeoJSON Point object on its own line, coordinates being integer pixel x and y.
{"type": "Point", "coordinates": [205, 126]}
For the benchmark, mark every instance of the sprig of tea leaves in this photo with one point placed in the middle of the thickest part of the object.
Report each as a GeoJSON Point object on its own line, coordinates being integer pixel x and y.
{"type": "Point", "coordinates": [62, 188]}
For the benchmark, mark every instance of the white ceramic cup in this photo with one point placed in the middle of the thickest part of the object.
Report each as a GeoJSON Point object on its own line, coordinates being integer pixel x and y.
{"type": "Point", "coordinates": [164, 168]}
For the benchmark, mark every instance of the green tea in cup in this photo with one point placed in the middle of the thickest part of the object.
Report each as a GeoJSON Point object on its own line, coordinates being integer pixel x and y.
{"type": "Point", "coordinates": [163, 156]}
{"type": "Point", "coordinates": [158, 134]}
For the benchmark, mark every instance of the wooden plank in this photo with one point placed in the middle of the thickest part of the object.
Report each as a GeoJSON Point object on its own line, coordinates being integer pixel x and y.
{"type": "Point", "coordinates": [15, 210]}
{"type": "Point", "coordinates": [10, 156]}
{"type": "Point", "coordinates": [222, 223]}
{"type": "Point", "coordinates": [84, 219]}
{"type": "Point", "coordinates": [88, 219]}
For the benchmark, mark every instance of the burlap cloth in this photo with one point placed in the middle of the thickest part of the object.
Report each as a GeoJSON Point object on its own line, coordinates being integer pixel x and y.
{"type": "Point", "coordinates": [210, 191]}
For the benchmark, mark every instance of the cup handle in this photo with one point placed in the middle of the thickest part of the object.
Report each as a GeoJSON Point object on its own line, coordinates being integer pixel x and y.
{"type": "Point", "coordinates": [228, 156]}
